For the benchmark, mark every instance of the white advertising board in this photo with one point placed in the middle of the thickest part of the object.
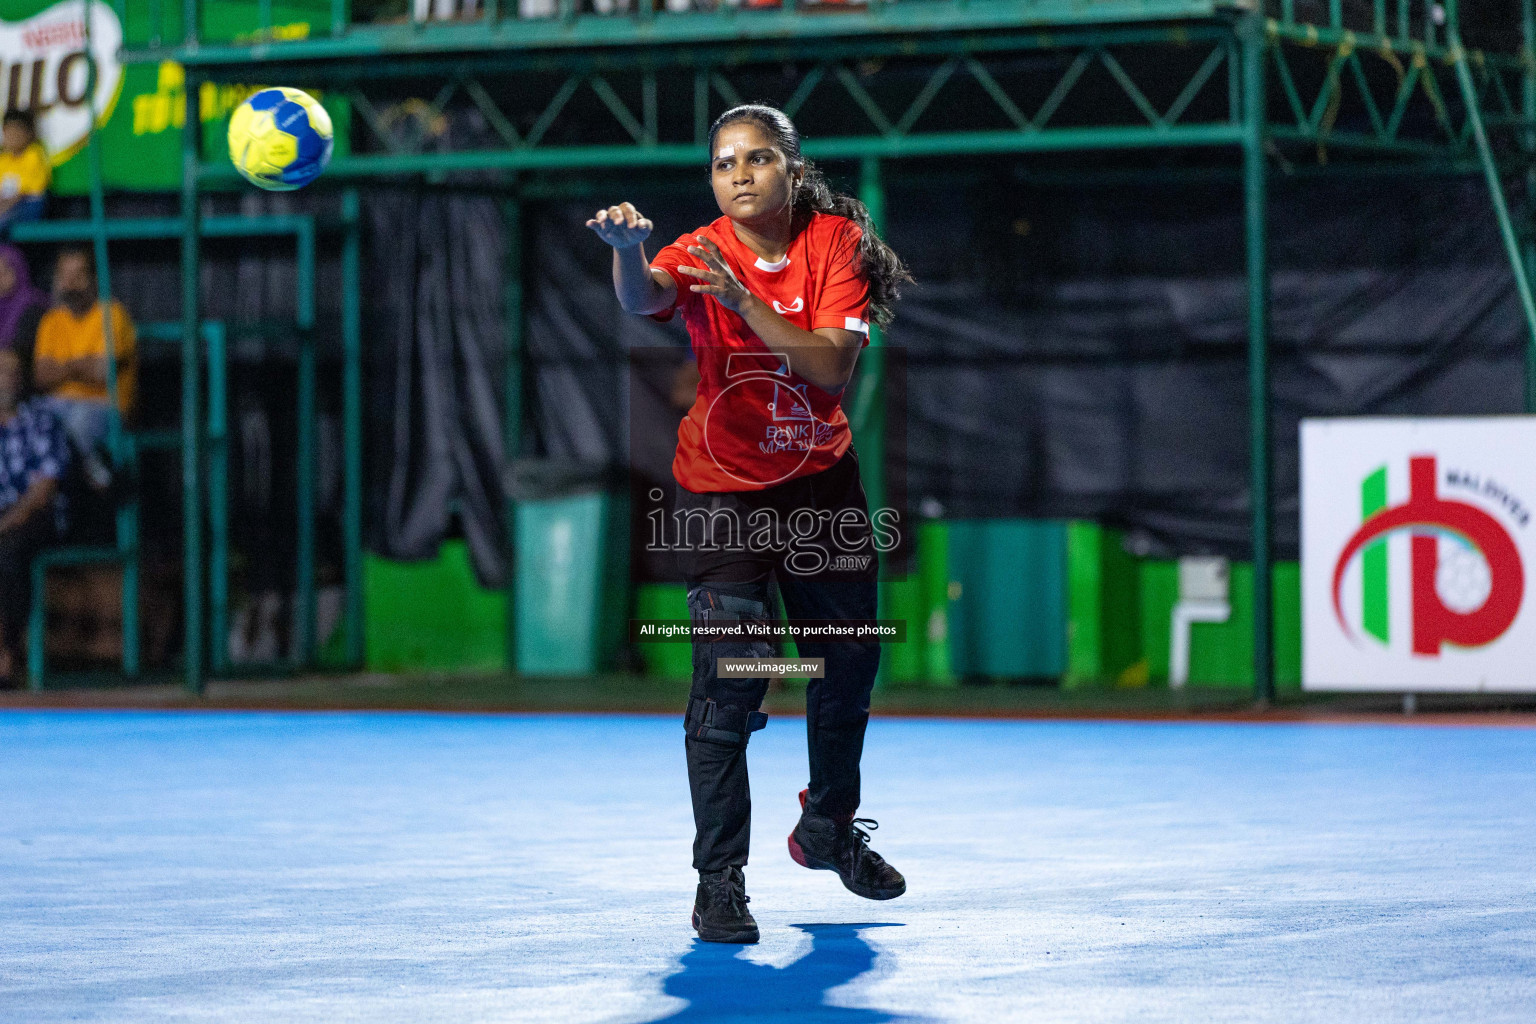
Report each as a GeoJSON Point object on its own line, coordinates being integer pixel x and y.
{"type": "Point", "coordinates": [1417, 545]}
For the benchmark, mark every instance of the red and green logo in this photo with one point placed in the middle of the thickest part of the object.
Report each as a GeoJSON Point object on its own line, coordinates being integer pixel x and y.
{"type": "Point", "coordinates": [1467, 600]}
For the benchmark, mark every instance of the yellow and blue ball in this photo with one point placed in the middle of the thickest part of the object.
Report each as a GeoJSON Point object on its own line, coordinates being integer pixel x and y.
{"type": "Point", "coordinates": [280, 139]}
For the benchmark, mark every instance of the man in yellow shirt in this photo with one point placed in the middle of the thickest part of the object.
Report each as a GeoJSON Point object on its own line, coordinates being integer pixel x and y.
{"type": "Point", "coordinates": [25, 171]}
{"type": "Point", "coordinates": [69, 361]}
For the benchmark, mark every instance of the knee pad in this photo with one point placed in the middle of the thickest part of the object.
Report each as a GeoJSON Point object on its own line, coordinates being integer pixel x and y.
{"type": "Point", "coordinates": [721, 723]}
{"type": "Point", "coordinates": [714, 605]}
{"type": "Point", "coordinates": [720, 603]}
{"type": "Point", "coordinates": [725, 710]}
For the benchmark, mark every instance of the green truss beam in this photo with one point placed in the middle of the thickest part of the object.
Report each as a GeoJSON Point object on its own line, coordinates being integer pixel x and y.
{"type": "Point", "coordinates": [741, 29]}
{"type": "Point", "coordinates": [1398, 97]}
{"type": "Point", "coordinates": [707, 55]}
{"type": "Point", "coordinates": [891, 105]}
{"type": "Point", "coordinates": [935, 144]}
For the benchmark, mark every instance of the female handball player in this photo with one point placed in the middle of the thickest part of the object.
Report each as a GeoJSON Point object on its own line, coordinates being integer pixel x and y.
{"type": "Point", "coordinates": [777, 295]}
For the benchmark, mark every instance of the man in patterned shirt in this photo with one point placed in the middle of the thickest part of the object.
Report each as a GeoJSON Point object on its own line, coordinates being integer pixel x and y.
{"type": "Point", "coordinates": [33, 458]}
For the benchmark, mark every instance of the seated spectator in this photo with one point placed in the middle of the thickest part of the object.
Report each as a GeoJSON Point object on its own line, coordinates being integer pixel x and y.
{"type": "Point", "coordinates": [33, 458]}
{"type": "Point", "coordinates": [21, 309]}
{"type": "Point", "coordinates": [69, 361]}
{"type": "Point", "coordinates": [25, 171]}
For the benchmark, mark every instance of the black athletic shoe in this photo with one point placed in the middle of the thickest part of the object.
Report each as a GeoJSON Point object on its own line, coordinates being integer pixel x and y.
{"type": "Point", "coordinates": [720, 911]}
{"type": "Point", "coordinates": [827, 844]}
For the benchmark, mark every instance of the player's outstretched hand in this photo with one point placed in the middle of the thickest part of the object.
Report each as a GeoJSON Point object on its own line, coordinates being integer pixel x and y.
{"type": "Point", "coordinates": [717, 278]}
{"type": "Point", "coordinates": [620, 226]}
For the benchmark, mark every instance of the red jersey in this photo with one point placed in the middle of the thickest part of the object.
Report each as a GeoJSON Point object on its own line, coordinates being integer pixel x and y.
{"type": "Point", "coordinates": [755, 422]}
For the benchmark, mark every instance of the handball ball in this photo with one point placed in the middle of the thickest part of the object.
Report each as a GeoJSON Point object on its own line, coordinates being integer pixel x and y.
{"type": "Point", "coordinates": [280, 139]}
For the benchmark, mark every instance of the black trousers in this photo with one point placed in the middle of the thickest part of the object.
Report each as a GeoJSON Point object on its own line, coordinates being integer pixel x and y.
{"type": "Point", "coordinates": [813, 537]}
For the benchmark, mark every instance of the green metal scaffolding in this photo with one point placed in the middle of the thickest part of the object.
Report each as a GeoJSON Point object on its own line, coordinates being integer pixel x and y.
{"type": "Point", "coordinates": [1258, 84]}
{"type": "Point", "coordinates": [203, 440]}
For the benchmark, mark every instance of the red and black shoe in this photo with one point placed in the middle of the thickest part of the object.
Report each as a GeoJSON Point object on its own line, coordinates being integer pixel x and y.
{"type": "Point", "coordinates": [830, 844]}
{"type": "Point", "coordinates": [720, 911]}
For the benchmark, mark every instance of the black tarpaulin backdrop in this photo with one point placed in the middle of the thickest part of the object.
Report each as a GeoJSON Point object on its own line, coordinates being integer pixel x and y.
{"type": "Point", "coordinates": [1081, 352]}
{"type": "Point", "coordinates": [435, 288]}
{"type": "Point", "coordinates": [1084, 353]}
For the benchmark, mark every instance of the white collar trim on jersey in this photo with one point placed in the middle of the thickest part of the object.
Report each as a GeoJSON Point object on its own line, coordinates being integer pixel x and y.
{"type": "Point", "coordinates": [773, 268]}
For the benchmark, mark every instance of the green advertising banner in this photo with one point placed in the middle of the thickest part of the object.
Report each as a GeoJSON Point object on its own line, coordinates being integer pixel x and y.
{"type": "Point", "coordinates": [140, 108]}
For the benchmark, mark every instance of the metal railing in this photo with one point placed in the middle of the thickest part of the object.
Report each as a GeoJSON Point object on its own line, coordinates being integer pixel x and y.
{"type": "Point", "coordinates": [161, 26]}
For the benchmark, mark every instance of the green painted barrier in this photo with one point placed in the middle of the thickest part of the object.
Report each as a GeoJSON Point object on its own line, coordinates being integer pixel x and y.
{"type": "Point", "coordinates": [1104, 609]}
{"type": "Point", "coordinates": [664, 601]}
{"type": "Point", "coordinates": [1221, 654]}
{"type": "Point", "coordinates": [1157, 584]}
{"type": "Point", "coordinates": [922, 600]}
{"type": "Point", "coordinates": [903, 599]}
{"type": "Point", "coordinates": [1121, 611]}
{"type": "Point", "coordinates": [432, 615]}
{"type": "Point", "coordinates": [933, 574]}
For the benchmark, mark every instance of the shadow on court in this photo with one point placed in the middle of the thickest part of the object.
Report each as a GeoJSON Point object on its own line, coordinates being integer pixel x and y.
{"type": "Point", "coordinates": [720, 986]}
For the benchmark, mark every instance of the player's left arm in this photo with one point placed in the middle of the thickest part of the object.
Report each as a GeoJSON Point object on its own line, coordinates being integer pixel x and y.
{"type": "Point", "coordinates": [825, 356]}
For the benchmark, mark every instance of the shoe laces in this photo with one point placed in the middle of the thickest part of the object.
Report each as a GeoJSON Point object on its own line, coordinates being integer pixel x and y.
{"type": "Point", "coordinates": [858, 839]}
{"type": "Point", "coordinates": [731, 890]}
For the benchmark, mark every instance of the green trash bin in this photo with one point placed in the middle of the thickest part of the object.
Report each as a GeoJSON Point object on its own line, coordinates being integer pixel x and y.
{"type": "Point", "coordinates": [1008, 598]}
{"type": "Point", "coordinates": [572, 558]}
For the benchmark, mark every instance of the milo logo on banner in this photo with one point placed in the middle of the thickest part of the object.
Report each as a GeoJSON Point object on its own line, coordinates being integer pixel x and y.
{"type": "Point", "coordinates": [44, 69]}
{"type": "Point", "coordinates": [1417, 545]}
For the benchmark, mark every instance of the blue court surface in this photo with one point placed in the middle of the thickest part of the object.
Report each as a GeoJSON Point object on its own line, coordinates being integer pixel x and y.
{"type": "Point", "coordinates": [422, 868]}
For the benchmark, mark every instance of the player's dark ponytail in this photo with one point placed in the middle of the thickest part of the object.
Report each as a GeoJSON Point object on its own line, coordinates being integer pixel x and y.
{"type": "Point", "coordinates": [881, 265]}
